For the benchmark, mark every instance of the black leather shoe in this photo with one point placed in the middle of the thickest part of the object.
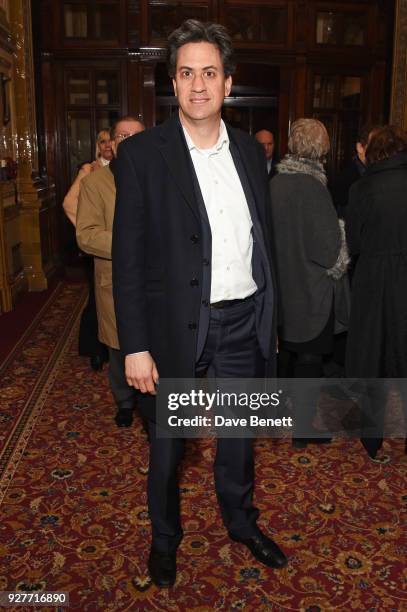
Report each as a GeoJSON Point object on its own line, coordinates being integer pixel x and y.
{"type": "Point", "coordinates": [264, 550]}
{"type": "Point", "coordinates": [162, 567]}
{"type": "Point", "coordinates": [96, 362]}
{"type": "Point", "coordinates": [124, 417]}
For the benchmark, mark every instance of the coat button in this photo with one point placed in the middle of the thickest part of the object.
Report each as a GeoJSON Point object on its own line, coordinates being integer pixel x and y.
{"type": "Point", "coordinates": [205, 303]}
{"type": "Point", "coordinates": [194, 282]}
{"type": "Point", "coordinates": [194, 238]}
{"type": "Point", "coordinates": [192, 325]}
{"type": "Point", "coordinates": [206, 262]}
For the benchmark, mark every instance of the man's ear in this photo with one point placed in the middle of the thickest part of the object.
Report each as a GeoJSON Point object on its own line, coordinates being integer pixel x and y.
{"type": "Point", "coordinates": [228, 85]}
{"type": "Point", "coordinates": [174, 84]}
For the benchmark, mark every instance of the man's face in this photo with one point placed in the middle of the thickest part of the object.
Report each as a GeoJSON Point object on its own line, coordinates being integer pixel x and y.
{"type": "Point", "coordinates": [266, 138]}
{"type": "Point", "coordinates": [123, 130]}
{"type": "Point", "coordinates": [200, 83]}
{"type": "Point", "coordinates": [105, 147]}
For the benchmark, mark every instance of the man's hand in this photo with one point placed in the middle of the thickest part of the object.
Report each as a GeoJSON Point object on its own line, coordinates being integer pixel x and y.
{"type": "Point", "coordinates": [141, 372]}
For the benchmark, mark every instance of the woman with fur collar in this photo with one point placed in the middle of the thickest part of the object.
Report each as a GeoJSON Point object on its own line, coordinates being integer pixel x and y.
{"type": "Point", "coordinates": [311, 259]}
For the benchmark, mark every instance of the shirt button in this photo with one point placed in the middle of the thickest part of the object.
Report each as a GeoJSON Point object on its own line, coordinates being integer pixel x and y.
{"type": "Point", "coordinates": [221, 211]}
{"type": "Point", "coordinates": [224, 240]}
{"type": "Point", "coordinates": [194, 238]}
{"type": "Point", "coordinates": [228, 268]}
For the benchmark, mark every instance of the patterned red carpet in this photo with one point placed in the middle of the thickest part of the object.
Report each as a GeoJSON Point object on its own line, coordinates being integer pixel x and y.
{"type": "Point", "coordinates": [74, 505]}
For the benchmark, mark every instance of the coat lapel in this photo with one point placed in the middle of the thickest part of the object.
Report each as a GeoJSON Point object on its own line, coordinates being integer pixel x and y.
{"type": "Point", "coordinates": [250, 177]}
{"type": "Point", "coordinates": [175, 152]}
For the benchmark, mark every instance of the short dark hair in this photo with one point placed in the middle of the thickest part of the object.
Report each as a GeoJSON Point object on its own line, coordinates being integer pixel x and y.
{"type": "Point", "coordinates": [124, 118]}
{"type": "Point", "coordinates": [194, 31]}
{"type": "Point", "coordinates": [386, 142]}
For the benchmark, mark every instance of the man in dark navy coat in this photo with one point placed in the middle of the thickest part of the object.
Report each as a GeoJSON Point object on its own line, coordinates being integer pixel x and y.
{"type": "Point", "coordinates": [192, 278]}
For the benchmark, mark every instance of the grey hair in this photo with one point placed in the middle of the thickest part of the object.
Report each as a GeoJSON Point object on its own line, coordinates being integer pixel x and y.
{"type": "Point", "coordinates": [124, 118]}
{"type": "Point", "coordinates": [308, 138]}
{"type": "Point", "coordinates": [193, 31]}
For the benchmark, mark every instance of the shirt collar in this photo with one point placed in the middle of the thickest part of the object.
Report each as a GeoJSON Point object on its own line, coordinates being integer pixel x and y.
{"type": "Point", "coordinates": [105, 162]}
{"type": "Point", "coordinates": [222, 140]}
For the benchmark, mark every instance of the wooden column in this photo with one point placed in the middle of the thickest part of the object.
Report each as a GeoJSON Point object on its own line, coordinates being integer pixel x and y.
{"type": "Point", "coordinates": [398, 114]}
{"type": "Point", "coordinates": [26, 145]}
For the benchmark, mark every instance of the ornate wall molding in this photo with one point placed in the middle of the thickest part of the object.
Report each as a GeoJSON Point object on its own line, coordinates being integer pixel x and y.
{"type": "Point", "coordinates": [26, 149]}
{"type": "Point", "coordinates": [398, 115]}
{"type": "Point", "coordinates": [152, 53]}
{"type": "Point", "coordinates": [25, 137]}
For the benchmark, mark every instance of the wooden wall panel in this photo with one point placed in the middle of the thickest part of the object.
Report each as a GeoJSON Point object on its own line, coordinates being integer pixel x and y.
{"type": "Point", "coordinates": [399, 95]}
{"type": "Point", "coordinates": [295, 59]}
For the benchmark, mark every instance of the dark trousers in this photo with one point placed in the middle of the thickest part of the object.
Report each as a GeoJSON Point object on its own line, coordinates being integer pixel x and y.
{"type": "Point", "coordinates": [89, 344]}
{"type": "Point", "coordinates": [374, 411]}
{"type": "Point", "coordinates": [306, 366]}
{"type": "Point", "coordinates": [231, 351]}
{"type": "Point", "coordinates": [122, 392]}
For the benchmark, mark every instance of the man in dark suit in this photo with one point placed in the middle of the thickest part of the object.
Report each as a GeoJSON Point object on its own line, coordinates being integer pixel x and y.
{"type": "Point", "coordinates": [266, 139]}
{"type": "Point", "coordinates": [192, 279]}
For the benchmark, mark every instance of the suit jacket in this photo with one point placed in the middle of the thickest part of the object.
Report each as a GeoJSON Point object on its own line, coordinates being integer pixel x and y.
{"type": "Point", "coordinates": [273, 170]}
{"type": "Point", "coordinates": [162, 247]}
{"type": "Point", "coordinates": [94, 222]}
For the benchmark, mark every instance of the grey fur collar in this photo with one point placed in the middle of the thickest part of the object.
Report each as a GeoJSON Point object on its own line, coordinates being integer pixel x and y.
{"type": "Point", "coordinates": [341, 265]}
{"type": "Point", "coordinates": [291, 164]}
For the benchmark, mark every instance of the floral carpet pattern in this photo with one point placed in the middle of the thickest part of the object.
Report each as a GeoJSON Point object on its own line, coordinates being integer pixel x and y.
{"type": "Point", "coordinates": [74, 515]}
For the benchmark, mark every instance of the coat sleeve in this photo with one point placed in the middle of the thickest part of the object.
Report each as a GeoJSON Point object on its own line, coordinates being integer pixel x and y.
{"type": "Point", "coordinates": [70, 203]}
{"type": "Point", "coordinates": [128, 256]}
{"type": "Point", "coordinates": [91, 233]}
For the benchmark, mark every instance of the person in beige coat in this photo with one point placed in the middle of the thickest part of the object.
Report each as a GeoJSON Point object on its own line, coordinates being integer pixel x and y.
{"type": "Point", "coordinates": [94, 222]}
{"type": "Point", "coordinates": [89, 344]}
{"type": "Point", "coordinates": [104, 155]}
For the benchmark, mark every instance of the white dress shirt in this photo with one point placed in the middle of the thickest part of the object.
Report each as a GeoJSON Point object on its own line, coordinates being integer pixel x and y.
{"type": "Point", "coordinates": [229, 219]}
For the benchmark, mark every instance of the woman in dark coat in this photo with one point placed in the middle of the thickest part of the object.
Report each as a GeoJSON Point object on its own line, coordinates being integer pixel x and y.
{"type": "Point", "coordinates": [376, 228]}
{"type": "Point", "coordinates": [310, 254]}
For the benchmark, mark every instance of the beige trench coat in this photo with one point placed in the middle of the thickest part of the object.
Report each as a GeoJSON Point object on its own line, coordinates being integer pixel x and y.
{"type": "Point", "coordinates": [94, 222]}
